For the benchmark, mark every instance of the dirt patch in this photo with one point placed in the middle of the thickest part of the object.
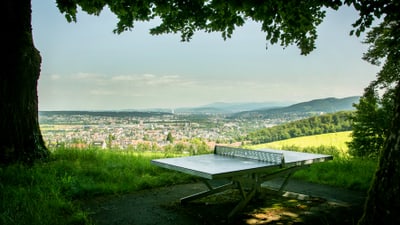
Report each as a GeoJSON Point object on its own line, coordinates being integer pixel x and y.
{"type": "Point", "coordinates": [162, 206]}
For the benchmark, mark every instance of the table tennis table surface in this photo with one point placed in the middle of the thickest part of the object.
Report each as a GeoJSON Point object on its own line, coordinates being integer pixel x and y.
{"type": "Point", "coordinates": [214, 166]}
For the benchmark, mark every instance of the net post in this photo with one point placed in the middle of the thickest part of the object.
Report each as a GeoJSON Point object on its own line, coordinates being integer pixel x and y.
{"type": "Point", "coordinates": [215, 149]}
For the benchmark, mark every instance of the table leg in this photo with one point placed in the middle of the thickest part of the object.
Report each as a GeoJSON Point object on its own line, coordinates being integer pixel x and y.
{"type": "Point", "coordinates": [246, 197]}
{"type": "Point", "coordinates": [211, 191]}
{"type": "Point", "coordinates": [254, 181]}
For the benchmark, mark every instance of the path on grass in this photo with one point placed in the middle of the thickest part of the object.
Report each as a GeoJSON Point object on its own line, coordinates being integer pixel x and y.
{"type": "Point", "coordinates": [317, 204]}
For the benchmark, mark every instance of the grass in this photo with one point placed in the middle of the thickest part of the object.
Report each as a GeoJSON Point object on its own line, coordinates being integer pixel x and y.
{"type": "Point", "coordinates": [337, 140]}
{"type": "Point", "coordinates": [33, 195]}
{"type": "Point", "coordinates": [350, 173]}
{"type": "Point", "coordinates": [51, 192]}
{"type": "Point", "coordinates": [110, 172]}
{"type": "Point", "coordinates": [343, 171]}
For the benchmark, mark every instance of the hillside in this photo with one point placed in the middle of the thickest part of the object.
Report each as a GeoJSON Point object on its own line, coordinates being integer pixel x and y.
{"type": "Point", "coordinates": [304, 109]}
{"type": "Point", "coordinates": [327, 123]}
{"type": "Point", "coordinates": [228, 108]}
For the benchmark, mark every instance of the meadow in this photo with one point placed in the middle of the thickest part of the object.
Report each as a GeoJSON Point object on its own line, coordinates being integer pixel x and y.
{"type": "Point", "coordinates": [54, 191]}
{"type": "Point", "coordinates": [337, 140]}
{"type": "Point", "coordinates": [343, 171]}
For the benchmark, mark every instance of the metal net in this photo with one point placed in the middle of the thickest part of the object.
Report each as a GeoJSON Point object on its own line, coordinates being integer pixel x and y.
{"type": "Point", "coordinates": [273, 157]}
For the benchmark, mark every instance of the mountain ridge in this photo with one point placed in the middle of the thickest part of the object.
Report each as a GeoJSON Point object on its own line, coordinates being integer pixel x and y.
{"type": "Point", "coordinates": [315, 106]}
{"type": "Point", "coordinates": [245, 109]}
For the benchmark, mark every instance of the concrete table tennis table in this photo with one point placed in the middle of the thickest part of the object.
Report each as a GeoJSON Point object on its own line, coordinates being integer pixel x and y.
{"type": "Point", "coordinates": [242, 169]}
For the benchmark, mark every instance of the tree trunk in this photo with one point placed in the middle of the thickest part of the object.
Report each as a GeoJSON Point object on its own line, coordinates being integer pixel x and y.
{"type": "Point", "coordinates": [21, 139]}
{"type": "Point", "coordinates": [383, 202]}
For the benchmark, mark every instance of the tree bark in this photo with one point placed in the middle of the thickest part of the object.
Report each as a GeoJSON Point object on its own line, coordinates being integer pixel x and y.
{"type": "Point", "coordinates": [21, 139]}
{"type": "Point", "coordinates": [383, 203]}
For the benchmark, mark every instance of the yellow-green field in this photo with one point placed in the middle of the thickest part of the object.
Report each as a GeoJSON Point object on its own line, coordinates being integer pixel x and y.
{"type": "Point", "coordinates": [343, 171]}
{"type": "Point", "coordinates": [337, 140]}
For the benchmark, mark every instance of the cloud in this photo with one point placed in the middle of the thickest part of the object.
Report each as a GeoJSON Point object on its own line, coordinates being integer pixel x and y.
{"type": "Point", "coordinates": [102, 92]}
{"type": "Point", "coordinates": [85, 76]}
{"type": "Point", "coordinates": [89, 90]}
{"type": "Point", "coordinates": [55, 77]}
{"type": "Point", "coordinates": [151, 80]}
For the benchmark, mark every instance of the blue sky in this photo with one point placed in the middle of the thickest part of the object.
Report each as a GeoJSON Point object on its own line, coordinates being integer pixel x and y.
{"type": "Point", "coordinates": [85, 66]}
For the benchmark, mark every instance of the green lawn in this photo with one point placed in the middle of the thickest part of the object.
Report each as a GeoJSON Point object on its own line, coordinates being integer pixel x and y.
{"type": "Point", "coordinates": [52, 192]}
{"type": "Point", "coordinates": [343, 171]}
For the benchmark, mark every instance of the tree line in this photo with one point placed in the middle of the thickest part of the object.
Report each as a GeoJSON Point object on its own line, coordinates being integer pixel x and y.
{"type": "Point", "coordinates": [327, 123]}
{"type": "Point", "coordinates": [372, 120]}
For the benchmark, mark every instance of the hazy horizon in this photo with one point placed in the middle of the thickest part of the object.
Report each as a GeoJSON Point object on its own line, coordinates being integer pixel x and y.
{"type": "Point", "coordinates": [87, 67]}
{"type": "Point", "coordinates": [211, 104]}
{"type": "Point", "coordinates": [180, 107]}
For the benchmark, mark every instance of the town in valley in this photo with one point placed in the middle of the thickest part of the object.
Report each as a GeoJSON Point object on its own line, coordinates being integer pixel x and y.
{"type": "Point", "coordinates": [158, 128]}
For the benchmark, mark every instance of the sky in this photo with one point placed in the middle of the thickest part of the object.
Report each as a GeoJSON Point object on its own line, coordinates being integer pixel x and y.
{"type": "Point", "coordinates": [85, 66]}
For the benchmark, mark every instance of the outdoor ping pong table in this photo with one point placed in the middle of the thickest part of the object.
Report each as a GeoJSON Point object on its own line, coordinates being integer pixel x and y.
{"type": "Point", "coordinates": [243, 169]}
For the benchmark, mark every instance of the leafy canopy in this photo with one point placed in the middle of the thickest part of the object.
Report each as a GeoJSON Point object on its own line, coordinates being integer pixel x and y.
{"type": "Point", "coordinates": [372, 121]}
{"type": "Point", "coordinates": [286, 22]}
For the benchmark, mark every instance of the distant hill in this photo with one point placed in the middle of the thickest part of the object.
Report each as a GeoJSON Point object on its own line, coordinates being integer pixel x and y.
{"type": "Point", "coordinates": [304, 109]}
{"type": "Point", "coordinates": [229, 108]}
{"type": "Point", "coordinates": [246, 109]}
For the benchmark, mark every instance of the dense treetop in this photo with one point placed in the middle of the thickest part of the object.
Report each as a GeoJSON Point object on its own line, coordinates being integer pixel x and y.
{"type": "Point", "coordinates": [286, 22]}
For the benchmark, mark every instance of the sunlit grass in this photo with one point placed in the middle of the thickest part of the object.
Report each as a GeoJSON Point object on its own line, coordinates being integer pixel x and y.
{"type": "Point", "coordinates": [349, 173]}
{"type": "Point", "coordinates": [337, 140]}
{"type": "Point", "coordinates": [343, 171]}
{"type": "Point", "coordinates": [33, 195]}
{"type": "Point", "coordinates": [98, 172]}
{"type": "Point", "coordinates": [51, 192]}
